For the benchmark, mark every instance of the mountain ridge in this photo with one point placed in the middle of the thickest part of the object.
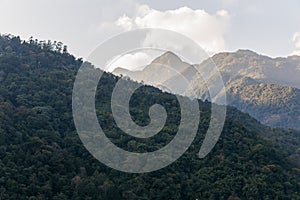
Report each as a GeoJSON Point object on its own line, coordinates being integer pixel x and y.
{"type": "Point", "coordinates": [244, 67]}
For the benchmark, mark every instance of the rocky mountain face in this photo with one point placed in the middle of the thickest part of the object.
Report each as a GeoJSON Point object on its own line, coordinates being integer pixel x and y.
{"type": "Point", "coordinates": [266, 88]}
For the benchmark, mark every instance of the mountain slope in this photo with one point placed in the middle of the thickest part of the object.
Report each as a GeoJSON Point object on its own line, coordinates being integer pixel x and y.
{"type": "Point", "coordinates": [163, 72]}
{"type": "Point", "coordinates": [277, 106]}
{"type": "Point", "coordinates": [266, 88]}
{"type": "Point", "coordinates": [247, 75]}
{"type": "Point", "coordinates": [280, 71]}
{"type": "Point", "coordinates": [41, 156]}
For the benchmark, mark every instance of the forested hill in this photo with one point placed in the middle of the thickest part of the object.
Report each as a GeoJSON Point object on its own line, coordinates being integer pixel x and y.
{"type": "Point", "coordinates": [41, 156]}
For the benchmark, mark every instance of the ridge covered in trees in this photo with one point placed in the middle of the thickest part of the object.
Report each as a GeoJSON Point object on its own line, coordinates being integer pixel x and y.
{"type": "Point", "coordinates": [42, 157]}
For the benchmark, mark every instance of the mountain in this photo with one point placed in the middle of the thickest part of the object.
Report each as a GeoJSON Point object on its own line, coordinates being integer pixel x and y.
{"type": "Point", "coordinates": [267, 88]}
{"type": "Point", "coordinates": [245, 63]}
{"type": "Point", "coordinates": [42, 157]}
{"type": "Point", "coordinates": [274, 105]}
{"type": "Point", "coordinates": [159, 72]}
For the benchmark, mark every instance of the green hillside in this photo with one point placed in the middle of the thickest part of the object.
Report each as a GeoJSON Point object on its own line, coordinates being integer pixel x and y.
{"type": "Point", "coordinates": [42, 157]}
{"type": "Point", "coordinates": [275, 105]}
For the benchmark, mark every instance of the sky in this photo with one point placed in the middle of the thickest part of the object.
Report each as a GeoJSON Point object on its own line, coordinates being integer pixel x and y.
{"type": "Point", "coordinates": [268, 27]}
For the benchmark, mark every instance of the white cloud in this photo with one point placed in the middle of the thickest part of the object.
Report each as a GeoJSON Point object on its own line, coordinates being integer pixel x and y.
{"type": "Point", "coordinates": [206, 29]}
{"type": "Point", "coordinates": [131, 61]}
{"type": "Point", "coordinates": [296, 41]}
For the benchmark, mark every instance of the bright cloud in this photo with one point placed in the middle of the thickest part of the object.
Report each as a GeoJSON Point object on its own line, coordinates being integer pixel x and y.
{"type": "Point", "coordinates": [206, 29]}
{"type": "Point", "coordinates": [132, 61]}
{"type": "Point", "coordinates": [296, 41]}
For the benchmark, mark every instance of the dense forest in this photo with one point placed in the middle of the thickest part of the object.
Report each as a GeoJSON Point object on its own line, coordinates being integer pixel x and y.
{"type": "Point", "coordinates": [42, 157]}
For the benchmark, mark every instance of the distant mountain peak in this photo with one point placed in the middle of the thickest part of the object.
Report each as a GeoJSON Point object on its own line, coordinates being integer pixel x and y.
{"type": "Point", "coordinates": [167, 57]}
{"type": "Point", "coordinates": [237, 54]}
{"type": "Point", "coordinates": [294, 57]}
{"type": "Point", "coordinates": [246, 52]}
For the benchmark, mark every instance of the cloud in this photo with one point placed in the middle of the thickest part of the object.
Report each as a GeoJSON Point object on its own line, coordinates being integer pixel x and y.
{"type": "Point", "coordinates": [296, 41]}
{"type": "Point", "coordinates": [206, 29]}
{"type": "Point", "coordinates": [131, 61]}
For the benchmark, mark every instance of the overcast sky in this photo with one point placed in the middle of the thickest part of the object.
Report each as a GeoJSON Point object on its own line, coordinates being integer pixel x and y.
{"type": "Point", "coordinates": [266, 26]}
